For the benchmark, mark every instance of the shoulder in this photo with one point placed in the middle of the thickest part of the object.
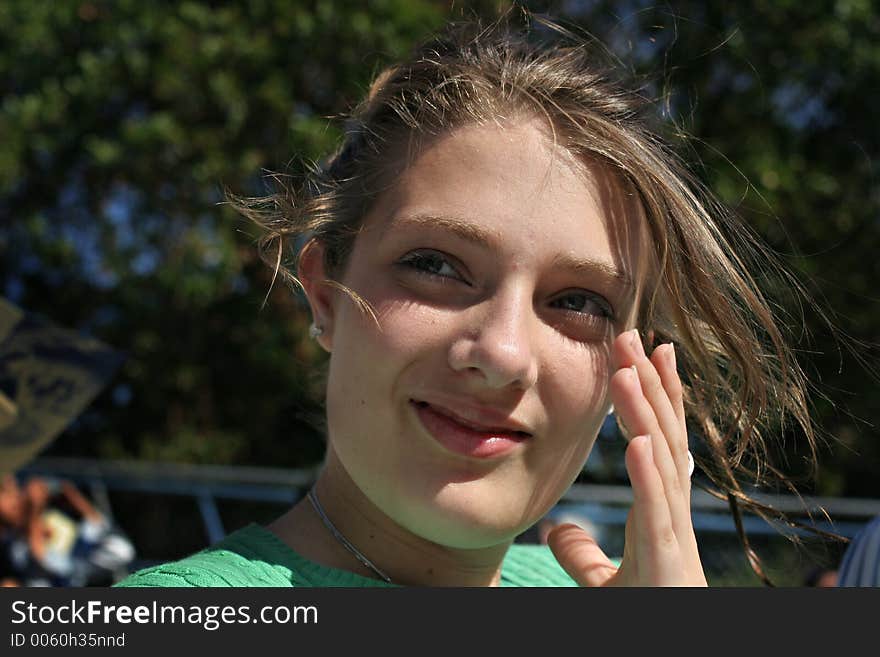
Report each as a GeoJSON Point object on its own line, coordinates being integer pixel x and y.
{"type": "Point", "coordinates": [861, 560]}
{"type": "Point", "coordinates": [244, 558]}
{"type": "Point", "coordinates": [533, 565]}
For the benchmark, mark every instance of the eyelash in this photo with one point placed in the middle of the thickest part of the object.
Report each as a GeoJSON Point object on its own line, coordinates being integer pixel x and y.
{"type": "Point", "coordinates": [417, 261]}
{"type": "Point", "coordinates": [605, 309]}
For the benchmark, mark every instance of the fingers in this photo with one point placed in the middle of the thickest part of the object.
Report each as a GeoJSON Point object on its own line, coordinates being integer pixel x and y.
{"type": "Point", "coordinates": [648, 399]}
{"type": "Point", "coordinates": [647, 396]}
{"type": "Point", "coordinates": [663, 360]}
{"type": "Point", "coordinates": [660, 385]}
{"type": "Point", "coordinates": [653, 554]}
{"type": "Point", "coordinates": [658, 558]}
{"type": "Point", "coordinates": [581, 557]}
{"type": "Point", "coordinates": [640, 418]}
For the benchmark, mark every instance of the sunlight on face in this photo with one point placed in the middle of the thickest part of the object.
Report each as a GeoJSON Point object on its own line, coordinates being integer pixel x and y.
{"type": "Point", "coordinates": [500, 269]}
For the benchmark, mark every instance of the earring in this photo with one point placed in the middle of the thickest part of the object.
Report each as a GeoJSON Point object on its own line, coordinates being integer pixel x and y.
{"type": "Point", "coordinates": [315, 331]}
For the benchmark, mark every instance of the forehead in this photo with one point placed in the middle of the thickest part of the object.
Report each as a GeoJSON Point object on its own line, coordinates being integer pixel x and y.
{"type": "Point", "coordinates": [511, 183]}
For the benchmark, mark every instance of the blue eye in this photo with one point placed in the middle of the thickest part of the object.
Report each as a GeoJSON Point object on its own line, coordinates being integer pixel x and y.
{"type": "Point", "coordinates": [586, 303]}
{"type": "Point", "coordinates": [430, 262]}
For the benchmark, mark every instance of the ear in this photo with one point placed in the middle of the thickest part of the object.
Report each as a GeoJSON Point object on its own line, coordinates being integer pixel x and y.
{"type": "Point", "coordinates": [321, 297]}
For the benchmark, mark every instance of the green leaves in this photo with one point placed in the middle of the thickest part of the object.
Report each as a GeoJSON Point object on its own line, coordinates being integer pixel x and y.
{"type": "Point", "coordinates": [120, 123]}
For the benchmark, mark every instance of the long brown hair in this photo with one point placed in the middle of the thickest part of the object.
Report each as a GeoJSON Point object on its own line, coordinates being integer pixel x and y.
{"type": "Point", "coordinates": [742, 381]}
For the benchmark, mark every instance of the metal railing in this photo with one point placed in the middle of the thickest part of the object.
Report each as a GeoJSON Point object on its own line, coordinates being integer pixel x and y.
{"type": "Point", "coordinates": [604, 504]}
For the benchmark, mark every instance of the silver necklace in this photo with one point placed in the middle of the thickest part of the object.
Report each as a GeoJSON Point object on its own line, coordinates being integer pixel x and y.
{"type": "Point", "coordinates": [316, 505]}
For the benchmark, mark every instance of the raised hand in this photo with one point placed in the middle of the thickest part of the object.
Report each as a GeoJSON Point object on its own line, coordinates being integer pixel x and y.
{"type": "Point", "coordinates": [660, 548]}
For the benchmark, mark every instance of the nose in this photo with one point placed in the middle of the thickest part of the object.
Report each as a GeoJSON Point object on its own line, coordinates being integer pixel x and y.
{"type": "Point", "coordinates": [498, 342]}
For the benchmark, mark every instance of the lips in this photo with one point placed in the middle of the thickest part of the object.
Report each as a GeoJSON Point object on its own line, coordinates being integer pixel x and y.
{"type": "Point", "coordinates": [468, 437]}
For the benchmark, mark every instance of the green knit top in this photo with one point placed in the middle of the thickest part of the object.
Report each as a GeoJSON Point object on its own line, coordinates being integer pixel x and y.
{"type": "Point", "coordinates": [254, 556]}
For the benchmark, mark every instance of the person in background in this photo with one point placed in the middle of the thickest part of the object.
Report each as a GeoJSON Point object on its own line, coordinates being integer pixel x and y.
{"type": "Point", "coordinates": [860, 565]}
{"type": "Point", "coordinates": [13, 523]}
{"type": "Point", "coordinates": [822, 578]}
{"type": "Point", "coordinates": [52, 535]}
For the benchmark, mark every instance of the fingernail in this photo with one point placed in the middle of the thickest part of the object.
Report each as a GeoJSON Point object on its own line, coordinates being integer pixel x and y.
{"type": "Point", "coordinates": [634, 372]}
{"type": "Point", "coordinates": [671, 355]}
{"type": "Point", "coordinates": [636, 342]}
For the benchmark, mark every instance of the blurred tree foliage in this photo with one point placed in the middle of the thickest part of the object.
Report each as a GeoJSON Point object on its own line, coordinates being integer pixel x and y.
{"type": "Point", "coordinates": [773, 103]}
{"type": "Point", "coordinates": [122, 121]}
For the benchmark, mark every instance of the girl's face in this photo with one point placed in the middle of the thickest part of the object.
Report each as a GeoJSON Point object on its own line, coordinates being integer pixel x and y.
{"type": "Point", "coordinates": [500, 269]}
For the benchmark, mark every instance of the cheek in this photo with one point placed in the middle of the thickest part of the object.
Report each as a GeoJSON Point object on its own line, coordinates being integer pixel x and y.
{"type": "Point", "coordinates": [575, 397]}
{"type": "Point", "coordinates": [408, 328]}
{"type": "Point", "coordinates": [576, 385]}
{"type": "Point", "coordinates": [372, 356]}
{"type": "Point", "coordinates": [574, 394]}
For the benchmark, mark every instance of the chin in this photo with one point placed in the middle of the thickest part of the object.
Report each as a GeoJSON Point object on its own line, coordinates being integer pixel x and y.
{"type": "Point", "coordinates": [462, 535]}
{"type": "Point", "coordinates": [459, 521]}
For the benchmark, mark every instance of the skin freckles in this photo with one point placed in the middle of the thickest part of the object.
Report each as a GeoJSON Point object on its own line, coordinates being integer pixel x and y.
{"type": "Point", "coordinates": [500, 270]}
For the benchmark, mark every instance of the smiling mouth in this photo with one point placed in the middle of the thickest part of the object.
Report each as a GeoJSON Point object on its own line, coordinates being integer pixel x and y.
{"type": "Point", "coordinates": [473, 426]}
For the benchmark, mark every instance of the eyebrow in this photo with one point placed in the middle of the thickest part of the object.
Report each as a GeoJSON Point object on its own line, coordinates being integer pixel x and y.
{"type": "Point", "coordinates": [488, 240]}
{"type": "Point", "coordinates": [459, 227]}
{"type": "Point", "coordinates": [592, 266]}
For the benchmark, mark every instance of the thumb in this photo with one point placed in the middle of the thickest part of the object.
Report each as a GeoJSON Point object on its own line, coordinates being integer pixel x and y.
{"type": "Point", "coordinates": [581, 557]}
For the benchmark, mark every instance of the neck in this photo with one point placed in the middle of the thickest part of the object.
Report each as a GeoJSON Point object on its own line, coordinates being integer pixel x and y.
{"type": "Point", "coordinates": [406, 558]}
